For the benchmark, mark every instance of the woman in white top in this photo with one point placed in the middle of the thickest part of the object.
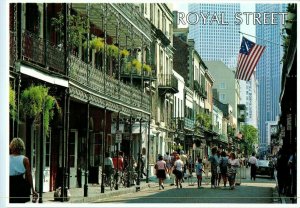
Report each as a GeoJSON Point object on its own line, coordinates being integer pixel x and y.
{"type": "Point", "coordinates": [178, 170]}
{"type": "Point", "coordinates": [233, 164]}
{"type": "Point", "coordinates": [161, 169]}
{"type": "Point", "coordinates": [20, 178]}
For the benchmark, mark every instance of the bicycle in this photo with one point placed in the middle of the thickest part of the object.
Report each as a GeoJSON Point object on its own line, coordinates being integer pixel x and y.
{"type": "Point", "coordinates": [132, 177]}
{"type": "Point", "coordinates": [109, 181]}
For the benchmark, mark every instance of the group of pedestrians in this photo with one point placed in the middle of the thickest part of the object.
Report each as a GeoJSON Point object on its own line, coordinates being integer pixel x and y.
{"type": "Point", "coordinates": [167, 165]}
{"type": "Point", "coordinates": [221, 167]}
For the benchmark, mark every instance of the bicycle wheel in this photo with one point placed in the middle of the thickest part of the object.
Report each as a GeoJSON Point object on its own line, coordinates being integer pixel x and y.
{"type": "Point", "coordinates": [112, 183]}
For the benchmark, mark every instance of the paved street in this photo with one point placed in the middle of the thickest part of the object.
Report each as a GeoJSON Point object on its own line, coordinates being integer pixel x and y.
{"type": "Point", "coordinates": [260, 191]}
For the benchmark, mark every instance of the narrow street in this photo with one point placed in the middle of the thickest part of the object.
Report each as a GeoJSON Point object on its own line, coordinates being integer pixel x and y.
{"type": "Point", "coordinates": [260, 191]}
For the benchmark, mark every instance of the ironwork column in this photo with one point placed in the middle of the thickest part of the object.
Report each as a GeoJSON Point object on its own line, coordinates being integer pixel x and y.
{"type": "Point", "coordinates": [41, 158]}
{"type": "Point", "coordinates": [86, 173]}
{"type": "Point", "coordinates": [139, 159]}
{"type": "Point", "coordinates": [65, 175]}
{"type": "Point", "coordinates": [129, 169]}
{"type": "Point", "coordinates": [117, 173]}
{"type": "Point", "coordinates": [148, 147]}
{"type": "Point", "coordinates": [103, 151]}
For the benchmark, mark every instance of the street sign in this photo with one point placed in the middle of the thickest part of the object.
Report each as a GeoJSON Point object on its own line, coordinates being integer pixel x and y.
{"type": "Point", "coordinates": [118, 136]}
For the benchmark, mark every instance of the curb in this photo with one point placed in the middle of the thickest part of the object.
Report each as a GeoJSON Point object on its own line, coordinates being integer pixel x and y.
{"type": "Point", "coordinates": [108, 194]}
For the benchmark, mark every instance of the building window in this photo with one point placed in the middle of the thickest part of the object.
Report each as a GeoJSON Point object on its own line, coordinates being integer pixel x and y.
{"type": "Point", "coordinates": [222, 97]}
{"type": "Point", "coordinates": [222, 86]}
{"type": "Point", "coordinates": [145, 6]}
{"type": "Point", "coordinates": [158, 19]}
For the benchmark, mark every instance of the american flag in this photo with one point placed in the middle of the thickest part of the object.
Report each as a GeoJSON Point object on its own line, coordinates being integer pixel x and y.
{"type": "Point", "coordinates": [248, 58]}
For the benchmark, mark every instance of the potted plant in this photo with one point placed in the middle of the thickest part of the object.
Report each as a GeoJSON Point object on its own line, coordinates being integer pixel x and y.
{"type": "Point", "coordinates": [35, 101]}
{"type": "Point", "coordinates": [137, 66]}
{"type": "Point", "coordinates": [97, 44]}
{"type": "Point", "coordinates": [112, 51]}
{"type": "Point", "coordinates": [124, 53]}
{"type": "Point", "coordinates": [76, 29]}
{"type": "Point", "coordinates": [147, 69]}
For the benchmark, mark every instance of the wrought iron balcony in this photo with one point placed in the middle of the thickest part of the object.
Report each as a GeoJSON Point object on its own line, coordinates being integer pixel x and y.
{"type": "Point", "coordinates": [107, 86]}
{"type": "Point", "coordinates": [12, 49]}
{"type": "Point", "coordinates": [203, 92]}
{"type": "Point", "coordinates": [137, 75]}
{"type": "Point", "coordinates": [189, 123]}
{"type": "Point", "coordinates": [196, 86]}
{"type": "Point", "coordinates": [34, 51]}
{"type": "Point", "coordinates": [167, 83]}
{"type": "Point", "coordinates": [161, 35]}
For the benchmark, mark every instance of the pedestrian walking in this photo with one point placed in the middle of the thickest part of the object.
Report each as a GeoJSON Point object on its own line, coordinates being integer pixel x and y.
{"type": "Point", "coordinates": [233, 164]}
{"type": "Point", "coordinates": [20, 178]}
{"type": "Point", "coordinates": [108, 166]}
{"type": "Point", "coordinates": [206, 168]}
{"type": "Point", "coordinates": [213, 159]}
{"type": "Point", "coordinates": [199, 170]}
{"type": "Point", "coordinates": [219, 176]}
{"type": "Point", "coordinates": [178, 171]}
{"type": "Point", "coordinates": [190, 164]}
{"type": "Point", "coordinates": [223, 167]}
{"type": "Point", "coordinates": [253, 166]}
{"type": "Point", "coordinates": [161, 169]}
{"type": "Point", "coordinates": [167, 159]}
{"type": "Point", "coordinates": [183, 158]}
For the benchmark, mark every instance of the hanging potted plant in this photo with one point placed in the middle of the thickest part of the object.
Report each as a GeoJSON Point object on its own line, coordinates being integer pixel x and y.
{"type": "Point", "coordinates": [112, 51]}
{"type": "Point", "coordinates": [36, 101]}
{"type": "Point", "coordinates": [137, 66]}
{"type": "Point", "coordinates": [124, 53]}
{"type": "Point", "coordinates": [147, 69]}
{"type": "Point", "coordinates": [96, 43]}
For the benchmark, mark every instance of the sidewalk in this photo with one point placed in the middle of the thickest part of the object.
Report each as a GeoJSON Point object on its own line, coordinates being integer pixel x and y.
{"type": "Point", "coordinates": [94, 193]}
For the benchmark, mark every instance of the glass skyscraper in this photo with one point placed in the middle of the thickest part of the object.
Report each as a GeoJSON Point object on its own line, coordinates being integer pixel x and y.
{"type": "Point", "coordinates": [268, 72]}
{"type": "Point", "coordinates": [216, 42]}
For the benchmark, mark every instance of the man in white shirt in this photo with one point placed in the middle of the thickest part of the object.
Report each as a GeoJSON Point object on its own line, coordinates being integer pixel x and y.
{"type": "Point", "coordinates": [253, 164]}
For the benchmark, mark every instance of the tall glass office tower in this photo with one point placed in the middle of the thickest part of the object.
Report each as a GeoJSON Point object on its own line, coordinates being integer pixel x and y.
{"type": "Point", "coordinates": [216, 42]}
{"type": "Point", "coordinates": [268, 72]}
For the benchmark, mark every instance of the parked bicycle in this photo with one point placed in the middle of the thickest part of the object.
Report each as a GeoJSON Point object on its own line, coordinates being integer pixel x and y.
{"type": "Point", "coordinates": [109, 181]}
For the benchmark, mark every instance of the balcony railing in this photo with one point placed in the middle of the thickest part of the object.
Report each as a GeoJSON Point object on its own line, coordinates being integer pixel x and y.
{"type": "Point", "coordinates": [34, 51]}
{"type": "Point", "coordinates": [203, 92]}
{"type": "Point", "coordinates": [12, 48]}
{"type": "Point", "coordinates": [134, 74]}
{"type": "Point", "coordinates": [167, 83]}
{"type": "Point", "coordinates": [132, 11]}
{"type": "Point", "coordinates": [107, 86]}
{"type": "Point", "coordinates": [196, 86]}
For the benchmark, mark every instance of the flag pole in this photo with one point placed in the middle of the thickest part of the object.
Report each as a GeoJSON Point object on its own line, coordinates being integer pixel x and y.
{"type": "Point", "coordinates": [260, 38]}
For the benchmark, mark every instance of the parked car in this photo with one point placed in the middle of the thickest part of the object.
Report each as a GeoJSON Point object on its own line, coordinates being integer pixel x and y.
{"type": "Point", "coordinates": [265, 167]}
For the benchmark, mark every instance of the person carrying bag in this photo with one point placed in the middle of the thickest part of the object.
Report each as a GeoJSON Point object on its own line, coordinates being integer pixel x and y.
{"type": "Point", "coordinates": [20, 178]}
